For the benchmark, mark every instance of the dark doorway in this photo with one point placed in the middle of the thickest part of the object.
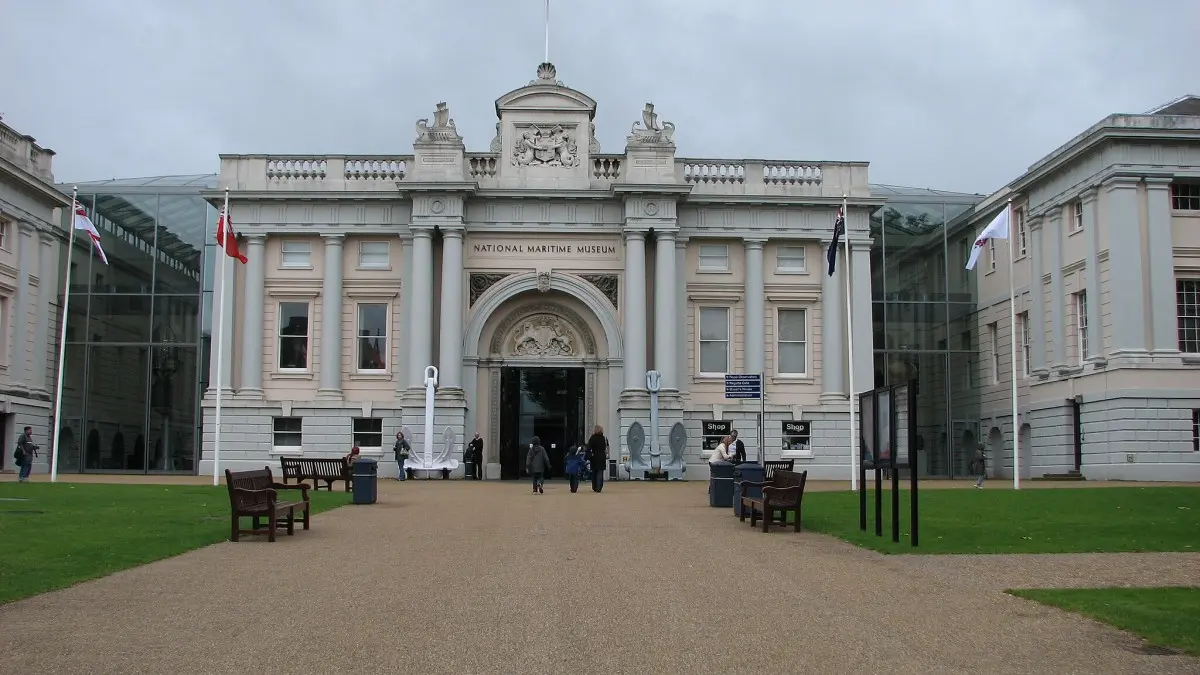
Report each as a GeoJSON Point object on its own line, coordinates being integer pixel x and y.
{"type": "Point", "coordinates": [543, 402]}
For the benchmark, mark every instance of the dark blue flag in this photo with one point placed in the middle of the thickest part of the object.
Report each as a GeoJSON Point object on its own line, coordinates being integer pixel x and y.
{"type": "Point", "coordinates": [839, 228]}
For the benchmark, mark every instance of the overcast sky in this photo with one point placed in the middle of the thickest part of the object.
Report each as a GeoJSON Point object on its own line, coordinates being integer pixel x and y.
{"type": "Point", "coordinates": [957, 95]}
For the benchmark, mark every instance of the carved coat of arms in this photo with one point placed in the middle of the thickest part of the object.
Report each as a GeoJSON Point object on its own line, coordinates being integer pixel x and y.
{"type": "Point", "coordinates": [542, 336]}
{"type": "Point", "coordinates": [540, 147]}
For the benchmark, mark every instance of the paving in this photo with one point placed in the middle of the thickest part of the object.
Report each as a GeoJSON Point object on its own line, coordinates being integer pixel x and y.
{"type": "Point", "coordinates": [464, 577]}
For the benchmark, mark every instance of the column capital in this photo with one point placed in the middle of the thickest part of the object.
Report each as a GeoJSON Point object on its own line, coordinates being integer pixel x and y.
{"type": "Point", "coordinates": [754, 242]}
{"type": "Point", "coordinates": [1120, 182]}
{"type": "Point", "coordinates": [1089, 195]}
{"type": "Point", "coordinates": [26, 227]}
{"type": "Point", "coordinates": [47, 238]}
{"type": "Point", "coordinates": [452, 232]}
{"type": "Point", "coordinates": [1054, 213]}
{"type": "Point", "coordinates": [1158, 182]}
{"type": "Point", "coordinates": [421, 232]}
{"type": "Point", "coordinates": [681, 242]}
{"type": "Point", "coordinates": [634, 235]}
{"type": "Point", "coordinates": [257, 238]}
{"type": "Point", "coordinates": [665, 235]}
{"type": "Point", "coordinates": [335, 238]}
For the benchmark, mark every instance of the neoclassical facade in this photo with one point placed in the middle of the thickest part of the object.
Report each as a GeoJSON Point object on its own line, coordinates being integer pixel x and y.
{"type": "Point", "coordinates": [543, 278]}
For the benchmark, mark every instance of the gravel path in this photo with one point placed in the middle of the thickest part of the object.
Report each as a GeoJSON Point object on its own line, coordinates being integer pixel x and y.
{"type": "Point", "coordinates": [485, 578]}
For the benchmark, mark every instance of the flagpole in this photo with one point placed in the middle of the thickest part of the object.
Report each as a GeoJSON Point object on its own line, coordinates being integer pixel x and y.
{"type": "Point", "coordinates": [850, 351]}
{"type": "Point", "coordinates": [62, 339]}
{"type": "Point", "coordinates": [1012, 324]}
{"type": "Point", "coordinates": [219, 327]}
{"type": "Point", "coordinates": [546, 53]}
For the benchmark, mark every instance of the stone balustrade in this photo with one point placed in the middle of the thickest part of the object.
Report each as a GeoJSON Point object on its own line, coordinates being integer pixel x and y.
{"type": "Point", "coordinates": [705, 176]}
{"type": "Point", "coordinates": [23, 150]}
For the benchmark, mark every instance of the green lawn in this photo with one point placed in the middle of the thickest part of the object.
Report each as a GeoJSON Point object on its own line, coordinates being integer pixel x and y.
{"type": "Point", "coordinates": [63, 534]}
{"type": "Point", "coordinates": [1075, 520]}
{"type": "Point", "coordinates": [1165, 617]}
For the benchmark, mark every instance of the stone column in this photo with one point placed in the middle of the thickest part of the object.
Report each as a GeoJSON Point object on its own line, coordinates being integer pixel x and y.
{"type": "Point", "coordinates": [1091, 227]}
{"type": "Point", "coordinates": [420, 341]}
{"type": "Point", "coordinates": [683, 375]}
{"type": "Point", "coordinates": [252, 316]}
{"type": "Point", "coordinates": [43, 376]}
{"type": "Point", "coordinates": [862, 343]}
{"type": "Point", "coordinates": [26, 250]}
{"type": "Point", "coordinates": [450, 359]}
{"type": "Point", "coordinates": [1126, 274]}
{"type": "Point", "coordinates": [1052, 236]}
{"type": "Point", "coordinates": [403, 368]}
{"type": "Point", "coordinates": [833, 344]}
{"type": "Point", "coordinates": [223, 313]}
{"type": "Point", "coordinates": [1037, 315]}
{"type": "Point", "coordinates": [666, 331]}
{"type": "Point", "coordinates": [1164, 322]}
{"type": "Point", "coordinates": [331, 319]}
{"type": "Point", "coordinates": [754, 333]}
{"type": "Point", "coordinates": [635, 310]}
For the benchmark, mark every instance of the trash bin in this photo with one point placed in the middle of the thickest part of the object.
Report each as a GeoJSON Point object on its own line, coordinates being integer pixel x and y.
{"type": "Point", "coordinates": [469, 469]}
{"type": "Point", "coordinates": [746, 472]}
{"type": "Point", "coordinates": [720, 484]}
{"type": "Point", "coordinates": [364, 474]}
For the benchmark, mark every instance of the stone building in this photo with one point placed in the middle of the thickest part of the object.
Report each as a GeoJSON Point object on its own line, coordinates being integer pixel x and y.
{"type": "Point", "coordinates": [1107, 280]}
{"type": "Point", "coordinates": [543, 278]}
{"type": "Point", "coordinates": [30, 243]}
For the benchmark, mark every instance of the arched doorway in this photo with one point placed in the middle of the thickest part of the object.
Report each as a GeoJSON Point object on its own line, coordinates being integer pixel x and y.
{"type": "Point", "coordinates": [540, 361]}
{"type": "Point", "coordinates": [1026, 452]}
{"type": "Point", "coordinates": [996, 453]}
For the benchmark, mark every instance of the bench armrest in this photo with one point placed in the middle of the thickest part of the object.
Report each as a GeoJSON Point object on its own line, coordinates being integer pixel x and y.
{"type": "Point", "coordinates": [753, 483]}
{"type": "Point", "coordinates": [792, 492]}
{"type": "Point", "coordinates": [303, 487]}
{"type": "Point", "coordinates": [248, 491]}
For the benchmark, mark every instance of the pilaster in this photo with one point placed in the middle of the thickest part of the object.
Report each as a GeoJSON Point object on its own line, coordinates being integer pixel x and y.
{"type": "Point", "coordinates": [1164, 319]}
{"type": "Point", "coordinates": [666, 332]}
{"type": "Point", "coordinates": [330, 386]}
{"type": "Point", "coordinates": [252, 317]}
{"type": "Point", "coordinates": [223, 313]}
{"type": "Point", "coordinates": [420, 345]}
{"type": "Point", "coordinates": [1037, 293]}
{"type": "Point", "coordinates": [862, 342]}
{"type": "Point", "coordinates": [42, 376]}
{"type": "Point", "coordinates": [403, 369]}
{"type": "Point", "coordinates": [755, 331]}
{"type": "Point", "coordinates": [833, 355]}
{"type": "Point", "coordinates": [1058, 340]}
{"type": "Point", "coordinates": [635, 310]}
{"type": "Point", "coordinates": [450, 334]}
{"type": "Point", "coordinates": [1126, 271]}
{"type": "Point", "coordinates": [26, 249]}
{"type": "Point", "coordinates": [1091, 224]}
{"type": "Point", "coordinates": [683, 376]}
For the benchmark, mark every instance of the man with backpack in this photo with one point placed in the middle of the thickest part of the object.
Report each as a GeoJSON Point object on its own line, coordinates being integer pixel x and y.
{"type": "Point", "coordinates": [25, 453]}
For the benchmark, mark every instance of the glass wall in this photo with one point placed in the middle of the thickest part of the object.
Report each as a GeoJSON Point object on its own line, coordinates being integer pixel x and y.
{"type": "Point", "coordinates": [131, 381]}
{"type": "Point", "coordinates": [924, 304]}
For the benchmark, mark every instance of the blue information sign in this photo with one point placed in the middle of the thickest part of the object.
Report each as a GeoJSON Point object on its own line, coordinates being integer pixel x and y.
{"type": "Point", "coordinates": [743, 385]}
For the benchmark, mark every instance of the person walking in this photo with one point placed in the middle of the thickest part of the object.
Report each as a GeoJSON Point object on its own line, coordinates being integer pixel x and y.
{"type": "Point", "coordinates": [598, 457]}
{"type": "Point", "coordinates": [536, 463]}
{"type": "Point", "coordinates": [24, 454]}
{"type": "Point", "coordinates": [575, 459]}
{"type": "Point", "coordinates": [401, 449]}
{"type": "Point", "coordinates": [979, 466]}
{"type": "Point", "coordinates": [475, 454]}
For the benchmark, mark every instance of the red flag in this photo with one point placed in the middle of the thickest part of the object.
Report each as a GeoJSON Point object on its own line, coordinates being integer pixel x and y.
{"type": "Point", "coordinates": [225, 225]}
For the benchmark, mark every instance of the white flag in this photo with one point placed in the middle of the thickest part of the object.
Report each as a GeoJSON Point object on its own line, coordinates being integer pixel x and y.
{"type": "Point", "coordinates": [82, 222]}
{"type": "Point", "coordinates": [997, 229]}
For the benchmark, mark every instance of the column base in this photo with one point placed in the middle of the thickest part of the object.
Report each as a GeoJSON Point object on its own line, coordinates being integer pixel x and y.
{"type": "Point", "coordinates": [252, 393]}
{"type": "Point", "coordinates": [833, 397]}
{"type": "Point", "coordinates": [329, 394]}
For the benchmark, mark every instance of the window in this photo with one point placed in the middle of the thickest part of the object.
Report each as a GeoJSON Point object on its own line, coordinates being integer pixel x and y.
{"type": "Point", "coordinates": [1022, 233]}
{"type": "Point", "coordinates": [293, 335]}
{"type": "Point", "coordinates": [993, 330]}
{"type": "Point", "coordinates": [1185, 196]}
{"type": "Point", "coordinates": [372, 337]}
{"type": "Point", "coordinates": [368, 432]}
{"type": "Point", "coordinates": [1196, 430]}
{"type": "Point", "coordinates": [714, 257]}
{"type": "Point", "coordinates": [964, 254]}
{"type": "Point", "coordinates": [5, 226]}
{"type": "Point", "coordinates": [1187, 306]}
{"type": "Point", "coordinates": [792, 358]}
{"type": "Point", "coordinates": [1081, 325]}
{"type": "Point", "coordinates": [373, 255]}
{"type": "Point", "coordinates": [288, 432]}
{"type": "Point", "coordinates": [1077, 216]}
{"type": "Point", "coordinates": [295, 253]}
{"type": "Point", "coordinates": [3, 330]}
{"type": "Point", "coordinates": [992, 253]}
{"type": "Point", "coordinates": [790, 259]}
{"type": "Point", "coordinates": [1023, 322]}
{"type": "Point", "coordinates": [714, 340]}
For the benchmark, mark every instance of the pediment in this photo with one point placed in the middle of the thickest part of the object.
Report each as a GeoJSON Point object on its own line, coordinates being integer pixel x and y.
{"type": "Point", "coordinates": [546, 94]}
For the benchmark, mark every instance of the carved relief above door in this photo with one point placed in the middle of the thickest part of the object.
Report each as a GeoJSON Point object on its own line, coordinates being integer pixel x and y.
{"type": "Point", "coordinates": [543, 330]}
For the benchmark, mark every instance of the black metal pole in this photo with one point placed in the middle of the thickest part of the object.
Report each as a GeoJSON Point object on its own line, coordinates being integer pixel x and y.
{"type": "Point", "coordinates": [894, 433]}
{"type": "Point", "coordinates": [912, 460]}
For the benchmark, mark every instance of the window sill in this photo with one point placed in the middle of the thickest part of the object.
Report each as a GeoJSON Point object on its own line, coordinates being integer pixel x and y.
{"type": "Point", "coordinates": [1192, 213]}
{"type": "Point", "coordinates": [792, 379]}
{"type": "Point", "coordinates": [713, 270]}
{"type": "Point", "coordinates": [374, 268]}
{"type": "Point", "coordinates": [1072, 233]}
{"type": "Point", "coordinates": [709, 377]}
{"type": "Point", "coordinates": [291, 376]}
{"type": "Point", "coordinates": [1191, 359]}
{"type": "Point", "coordinates": [791, 272]}
{"type": "Point", "coordinates": [369, 376]}
{"type": "Point", "coordinates": [796, 454]}
{"type": "Point", "coordinates": [295, 267]}
{"type": "Point", "coordinates": [286, 450]}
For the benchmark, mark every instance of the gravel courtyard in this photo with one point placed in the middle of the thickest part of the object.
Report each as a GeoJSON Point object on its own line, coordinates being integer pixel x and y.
{"type": "Point", "coordinates": [462, 577]}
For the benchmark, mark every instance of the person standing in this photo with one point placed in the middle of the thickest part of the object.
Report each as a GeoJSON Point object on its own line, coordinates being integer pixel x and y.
{"type": "Point", "coordinates": [475, 453]}
{"type": "Point", "coordinates": [598, 457]}
{"type": "Point", "coordinates": [401, 449]}
{"type": "Point", "coordinates": [576, 456]}
{"type": "Point", "coordinates": [24, 454]}
{"type": "Point", "coordinates": [979, 466]}
{"type": "Point", "coordinates": [721, 453]}
{"type": "Point", "coordinates": [738, 449]}
{"type": "Point", "coordinates": [537, 462]}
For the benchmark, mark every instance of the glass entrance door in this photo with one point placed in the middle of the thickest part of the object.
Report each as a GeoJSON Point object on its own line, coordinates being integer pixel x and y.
{"type": "Point", "coordinates": [543, 402]}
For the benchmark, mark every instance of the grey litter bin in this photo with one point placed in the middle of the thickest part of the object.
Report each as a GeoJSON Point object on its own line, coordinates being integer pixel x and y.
{"type": "Point", "coordinates": [364, 474]}
{"type": "Point", "coordinates": [746, 472]}
{"type": "Point", "coordinates": [720, 484]}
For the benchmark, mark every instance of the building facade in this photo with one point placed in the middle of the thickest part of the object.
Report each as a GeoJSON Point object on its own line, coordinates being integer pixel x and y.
{"type": "Point", "coordinates": [1106, 244]}
{"type": "Point", "coordinates": [543, 278]}
{"type": "Point", "coordinates": [30, 243]}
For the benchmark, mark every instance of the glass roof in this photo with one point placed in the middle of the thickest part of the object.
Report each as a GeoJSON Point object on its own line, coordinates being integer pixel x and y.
{"type": "Point", "coordinates": [198, 180]}
{"type": "Point", "coordinates": [882, 190]}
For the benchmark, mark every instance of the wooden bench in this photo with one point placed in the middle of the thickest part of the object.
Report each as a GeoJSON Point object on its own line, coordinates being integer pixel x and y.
{"type": "Point", "coordinates": [781, 495]}
{"type": "Point", "coordinates": [254, 494]}
{"type": "Point", "coordinates": [772, 465]}
{"type": "Point", "coordinates": [316, 469]}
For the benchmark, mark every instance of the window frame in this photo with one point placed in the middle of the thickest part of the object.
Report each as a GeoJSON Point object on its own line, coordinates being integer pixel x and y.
{"type": "Point", "coordinates": [780, 257]}
{"type": "Point", "coordinates": [806, 342]}
{"type": "Point", "coordinates": [1076, 221]}
{"type": "Point", "coordinates": [991, 244]}
{"type": "Point", "coordinates": [387, 254]}
{"type": "Point", "coordinates": [356, 433]}
{"type": "Point", "coordinates": [728, 310]}
{"type": "Point", "coordinates": [1187, 295]}
{"type": "Point", "coordinates": [701, 256]}
{"type": "Point", "coordinates": [5, 228]}
{"type": "Point", "coordinates": [279, 336]}
{"type": "Point", "coordinates": [283, 253]}
{"type": "Point", "coordinates": [1026, 351]}
{"type": "Point", "coordinates": [275, 433]}
{"type": "Point", "coordinates": [1022, 234]}
{"type": "Point", "coordinates": [4, 339]}
{"type": "Point", "coordinates": [358, 337]}
{"type": "Point", "coordinates": [1081, 325]}
{"type": "Point", "coordinates": [994, 347]}
{"type": "Point", "coordinates": [1196, 430]}
{"type": "Point", "coordinates": [1185, 203]}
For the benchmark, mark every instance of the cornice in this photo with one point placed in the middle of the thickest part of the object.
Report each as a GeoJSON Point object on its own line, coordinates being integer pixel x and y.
{"type": "Point", "coordinates": [1102, 132]}
{"type": "Point", "coordinates": [622, 190]}
{"type": "Point", "coordinates": [34, 184]}
{"type": "Point", "coordinates": [216, 198]}
{"type": "Point", "coordinates": [781, 200]}
{"type": "Point", "coordinates": [464, 188]}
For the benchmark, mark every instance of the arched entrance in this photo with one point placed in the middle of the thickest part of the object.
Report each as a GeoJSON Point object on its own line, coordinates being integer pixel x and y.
{"type": "Point", "coordinates": [541, 363]}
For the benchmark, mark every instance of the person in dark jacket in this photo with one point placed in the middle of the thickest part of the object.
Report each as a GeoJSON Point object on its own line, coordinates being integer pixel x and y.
{"type": "Point", "coordinates": [574, 461]}
{"type": "Point", "coordinates": [737, 449]}
{"type": "Point", "coordinates": [401, 450]}
{"type": "Point", "coordinates": [537, 462]}
{"type": "Point", "coordinates": [598, 457]}
{"type": "Point", "coordinates": [475, 454]}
